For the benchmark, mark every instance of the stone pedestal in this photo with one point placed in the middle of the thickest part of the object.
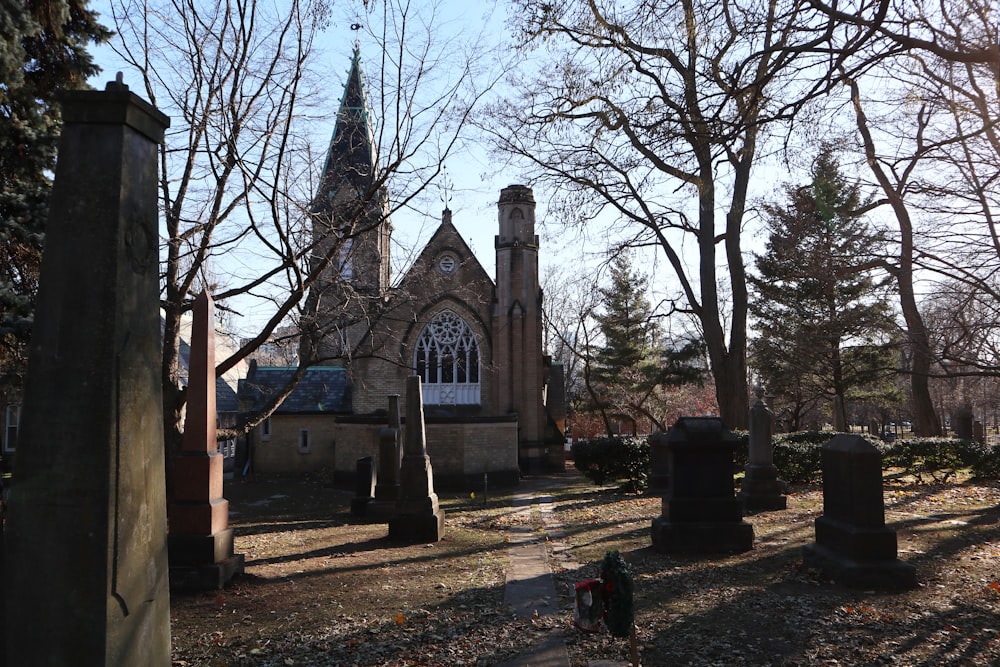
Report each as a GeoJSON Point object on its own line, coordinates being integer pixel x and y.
{"type": "Point", "coordinates": [85, 580]}
{"type": "Point", "coordinates": [659, 463]}
{"type": "Point", "coordinates": [700, 512]}
{"type": "Point", "coordinates": [853, 546]}
{"type": "Point", "coordinates": [761, 489]}
{"type": "Point", "coordinates": [418, 517]}
{"type": "Point", "coordinates": [201, 542]}
{"type": "Point", "coordinates": [390, 454]}
{"type": "Point", "coordinates": [364, 486]}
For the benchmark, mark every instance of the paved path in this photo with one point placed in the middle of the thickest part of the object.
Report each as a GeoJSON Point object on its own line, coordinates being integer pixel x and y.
{"type": "Point", "coordinates": [530, 588]}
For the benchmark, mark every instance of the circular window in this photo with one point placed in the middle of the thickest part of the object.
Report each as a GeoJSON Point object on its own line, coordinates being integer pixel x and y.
{"type": "Point", "coordinates": [447, 263]}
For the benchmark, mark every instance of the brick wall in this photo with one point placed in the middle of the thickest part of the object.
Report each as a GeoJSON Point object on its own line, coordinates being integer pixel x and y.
{"type": "Point", "coordinates": [458, 451]}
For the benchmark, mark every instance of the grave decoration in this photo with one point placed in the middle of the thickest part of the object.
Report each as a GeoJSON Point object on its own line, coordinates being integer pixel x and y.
{"type": "Point", "coordinates": [608, 602]}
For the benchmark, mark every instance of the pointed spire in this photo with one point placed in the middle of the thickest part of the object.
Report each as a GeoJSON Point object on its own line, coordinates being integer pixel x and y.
{"type": "Point", "coordinates": [351, 157]}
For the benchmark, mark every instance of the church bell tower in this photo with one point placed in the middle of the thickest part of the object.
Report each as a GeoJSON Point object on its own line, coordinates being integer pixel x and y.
{"type": "Point", "coordinates": [350, 231]}
{"type": "Point", "coordinates": [517, 330]}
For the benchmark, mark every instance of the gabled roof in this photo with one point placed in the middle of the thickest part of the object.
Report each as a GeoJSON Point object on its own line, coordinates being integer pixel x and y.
{"type": "Point", "coordinates": [446, 237]}
{"type": "Point", "coordinates": [322, 390]}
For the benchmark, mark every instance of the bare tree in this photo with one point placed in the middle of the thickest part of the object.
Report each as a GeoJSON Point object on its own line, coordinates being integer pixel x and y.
{"type": "Point", "coordinates": [656, 114]}
{"type": "Point", "coordinates": [242, 85]}
{"type": "Point", "coordinates": [932, 149]}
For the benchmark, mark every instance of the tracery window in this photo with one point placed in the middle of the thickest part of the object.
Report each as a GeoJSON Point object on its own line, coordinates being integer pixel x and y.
{"type": "Point", "coordinates": [447, 360]}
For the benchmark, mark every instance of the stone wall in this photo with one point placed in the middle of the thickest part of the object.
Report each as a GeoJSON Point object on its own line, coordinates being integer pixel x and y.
{"type": "Point", "coordinates": [460, 451]}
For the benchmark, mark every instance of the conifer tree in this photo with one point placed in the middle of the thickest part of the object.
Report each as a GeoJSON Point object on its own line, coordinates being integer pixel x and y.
{"type": "Point", "coordinates": [635, 362]}
{"type": "Point", "coordinates": [42, 53]}
{"type": "Point", "coordinates": [823, 321]}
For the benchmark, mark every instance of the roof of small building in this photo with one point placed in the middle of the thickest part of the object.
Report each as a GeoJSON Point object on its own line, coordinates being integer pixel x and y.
{"type": "Point", "coordinates": [322, 389]}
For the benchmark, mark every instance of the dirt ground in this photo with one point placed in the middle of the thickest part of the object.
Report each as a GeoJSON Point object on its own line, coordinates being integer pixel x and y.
{"type": "Point", "coordinates": [322, 588]}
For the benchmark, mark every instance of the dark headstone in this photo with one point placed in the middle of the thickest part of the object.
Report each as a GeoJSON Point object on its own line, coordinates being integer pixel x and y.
{"type": "Point", "coordinates": [418, 517]}
{"type": "Point", "coordinates": [659, 476]}
{"type": "Point", "coordinates": [201, 541]}
{"type": "Point", "coordinates": [963, 422]}
{"type": "Point", "coordinates": [700, 512]}
{"type": "Point", "coordinates": [853, 545]}
{"type": "Point", "coordinates": [761, 489]}
{"type": "Point", "coordinates": [86, 580]}
{"type": "Point", "coordinates": [390, 455]}
{"type": "Point", "coordinates": [364, 485]}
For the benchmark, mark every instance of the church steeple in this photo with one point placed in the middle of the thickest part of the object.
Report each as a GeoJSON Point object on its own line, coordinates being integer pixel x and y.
{"type": "Point", "coordinates": [351, 156]}
{"type": "Point", "coordinates": [351, 231]}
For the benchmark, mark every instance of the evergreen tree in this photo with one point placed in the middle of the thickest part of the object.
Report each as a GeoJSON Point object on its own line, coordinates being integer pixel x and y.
{"type": "Point", "coordinates": [626, 325]}
{"type": "Point", "coordinates": [823, 321]}
{"type": "Point", "coordinates": [42, 52]}
{"type": "Point", "coordinates": [635, 363]}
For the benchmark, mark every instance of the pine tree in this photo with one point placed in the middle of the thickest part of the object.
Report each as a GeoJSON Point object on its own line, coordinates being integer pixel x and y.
{"type": "Point", "coordinates": [43, 52]}
{"type": "Point", "coordinates": [626, 325]}
{"type": "Point", "coordinates": [635, 362]}
{"type": "Point", "coordinates": [823, 321]}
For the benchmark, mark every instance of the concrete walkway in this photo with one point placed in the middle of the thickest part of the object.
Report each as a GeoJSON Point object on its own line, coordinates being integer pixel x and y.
{"type": "Point", "coordinates": [530, 588]}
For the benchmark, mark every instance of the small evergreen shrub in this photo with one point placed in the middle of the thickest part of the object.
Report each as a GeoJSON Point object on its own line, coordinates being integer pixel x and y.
{"type": "Point", "coordinates": [606, 460]}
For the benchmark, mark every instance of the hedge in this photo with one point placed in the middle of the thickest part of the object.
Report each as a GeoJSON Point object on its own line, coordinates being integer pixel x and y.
{"type": "Point", "coordinates": [797, 456]}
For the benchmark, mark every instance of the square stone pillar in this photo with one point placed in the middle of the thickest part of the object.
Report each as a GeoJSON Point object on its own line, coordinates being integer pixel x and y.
{"type": "Point", "coordinates": [201, 541]}
{"type": "Point", "coordinates": [86, 580]}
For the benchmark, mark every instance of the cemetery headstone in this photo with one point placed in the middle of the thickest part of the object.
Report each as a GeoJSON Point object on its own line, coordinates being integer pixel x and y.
{"type": "Point", "coordinates": [418, 517]}
{"type": "Point", "coordinates": [390, 454]}
{"type": "Point", "coordinates": [659, 475]}
{"type": "Point", "coordinates": [86, 580]}
{"type": "Point", "coordinates": [761, 489]}
{"type": "Point", "coordinates": [201, 541]}
{"type": "Point", "coordinates": [700, 511]}
{"type": "Point", "coordinates": [853, 545]}
{"type": "Point", "coordinates": [963, 422]}
{"type": "Point", "coordinates": [364, 485]}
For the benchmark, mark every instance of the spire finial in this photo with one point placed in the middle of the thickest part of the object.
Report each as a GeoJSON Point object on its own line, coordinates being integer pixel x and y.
{"type": "Point", "coordinates": [357, 26]}
{"type": "Point", "coordinates": [446, 186]}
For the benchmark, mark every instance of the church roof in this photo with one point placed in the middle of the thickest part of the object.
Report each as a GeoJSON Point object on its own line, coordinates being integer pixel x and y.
{"type": "Point", "coordinates": [351, 156]}
{"type": "Point", "coordinates": [322, 390]}
{"type": "Point", "coordinates": [447, 237]}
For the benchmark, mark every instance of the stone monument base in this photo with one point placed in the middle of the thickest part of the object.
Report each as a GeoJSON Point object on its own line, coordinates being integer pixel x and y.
{"type": "Point", "coordinates": [417, 528]}
{"type": "Point", "coordinates": [193, 578]}
{"type": "Point", "coordinates": [701, 537]}
{"type": "Point", "coordinates": [380, 511]}
{"type": "Point", "coordinates": [360, 506]}
{"type": "Point", "coordinates": [761, 489]}
{"type": "Point", "coordinates": [202, 562]}
{"type": "Point", "coordinates": [889, 574]}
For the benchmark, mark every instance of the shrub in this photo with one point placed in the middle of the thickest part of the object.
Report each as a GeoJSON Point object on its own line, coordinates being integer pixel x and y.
{"type": "Point", "coordinates": [605, 460]}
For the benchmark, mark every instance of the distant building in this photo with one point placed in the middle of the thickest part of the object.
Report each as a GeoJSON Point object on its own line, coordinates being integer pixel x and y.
{"type": "Point", "coordinates": [476, 342]}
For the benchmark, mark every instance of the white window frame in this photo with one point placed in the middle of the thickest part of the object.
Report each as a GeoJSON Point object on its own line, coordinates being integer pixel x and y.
{"type": "Point", "coordinates": [448, 360]}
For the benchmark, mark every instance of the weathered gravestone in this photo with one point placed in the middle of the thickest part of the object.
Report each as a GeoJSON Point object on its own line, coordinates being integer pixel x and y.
{"type": "Point", "coordinates": [659, 465]}
{"type": "Point", "coordinates": [963, 422]}
{"type": "Point", "coordinates": [390, 453]}
{"type": "Point", "coordinates": [418, 517]}
{"type": "Point", "coordinates": [364, 485]}
{"type": "Point", "coordinates": [853, 545]}
{"type": "Point", "coordinates": [201, 541]}
{"type": "Point", "coordinates": [761, 489]}
{"type": "Point", "coordinates": [701, 513]}
{"type": "Point", "coordinates": [86, 544]}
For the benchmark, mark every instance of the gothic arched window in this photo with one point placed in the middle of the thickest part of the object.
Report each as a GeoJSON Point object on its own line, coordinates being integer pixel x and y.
{"type": "Point", "coordinates": [447, 361]}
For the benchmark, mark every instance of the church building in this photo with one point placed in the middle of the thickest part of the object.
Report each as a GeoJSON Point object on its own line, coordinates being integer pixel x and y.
{"type": "Point", "coordinates": [475, 341]}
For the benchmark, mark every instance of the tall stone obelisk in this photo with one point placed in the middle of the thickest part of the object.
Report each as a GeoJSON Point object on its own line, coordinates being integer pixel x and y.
{"type": "Point", "coordinates": [418, 517]}
{"type": "Point", "coordinates": [86, 545]}
{"type": "Point", "coordinates": [201, 541]}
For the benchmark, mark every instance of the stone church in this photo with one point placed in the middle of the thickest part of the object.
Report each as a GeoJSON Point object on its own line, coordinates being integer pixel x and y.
{"type": "Point", "coordinates": [493, 401]}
